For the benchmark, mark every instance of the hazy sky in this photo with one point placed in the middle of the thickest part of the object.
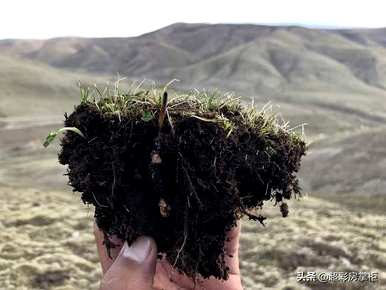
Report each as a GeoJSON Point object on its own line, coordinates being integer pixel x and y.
{"type": "Point", "coordinates": [94, 18]}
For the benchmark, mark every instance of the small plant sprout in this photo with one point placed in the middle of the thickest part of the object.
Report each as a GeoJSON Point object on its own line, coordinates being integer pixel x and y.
{"type": "Point", "coordinates": [52, 135]}
{"type": "Point", "coordinates": [147, 116]}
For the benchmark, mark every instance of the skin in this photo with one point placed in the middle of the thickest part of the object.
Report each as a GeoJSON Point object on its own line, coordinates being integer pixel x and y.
{"type": "Point", "coordinates": [137, 267]}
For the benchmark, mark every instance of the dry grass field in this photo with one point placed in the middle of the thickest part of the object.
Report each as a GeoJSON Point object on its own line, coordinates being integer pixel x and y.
{"type": "Point", "coordinates": [46, 242]}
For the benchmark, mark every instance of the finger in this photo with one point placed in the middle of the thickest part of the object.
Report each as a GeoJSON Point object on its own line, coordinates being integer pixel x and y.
{"type": "Point", "coordinates": [134, 267]}
{"type": "Point", "coordinates": [231, 248]}
{"type": "Point", "coordinates": [232, 283]}
{"type": "Point", "coordinates": [166, 272]}
{"type": "Point", "coordinates": [104, 258]}
{"type": "Point", "coordinates": [163, 280]}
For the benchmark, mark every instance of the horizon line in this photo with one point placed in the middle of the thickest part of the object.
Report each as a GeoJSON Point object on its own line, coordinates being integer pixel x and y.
{"type": "Point", "coordinates": [274, 24]}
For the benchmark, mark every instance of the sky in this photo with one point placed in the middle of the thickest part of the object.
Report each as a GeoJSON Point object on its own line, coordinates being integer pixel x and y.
{"type": "Point", "coordinates": [108, 18]}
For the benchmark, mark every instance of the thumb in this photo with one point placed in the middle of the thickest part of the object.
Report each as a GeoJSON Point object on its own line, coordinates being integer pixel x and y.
{"type": "Point", "coordinates": [134, 268]}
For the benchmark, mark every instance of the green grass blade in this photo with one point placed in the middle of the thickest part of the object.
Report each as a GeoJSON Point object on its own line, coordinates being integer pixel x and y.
{"type": "Point", "coordinates": [52, 135]}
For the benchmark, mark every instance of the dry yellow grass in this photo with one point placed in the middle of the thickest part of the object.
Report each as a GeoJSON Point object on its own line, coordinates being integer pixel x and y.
{"type": "Point", "coordinates": [46, 242]}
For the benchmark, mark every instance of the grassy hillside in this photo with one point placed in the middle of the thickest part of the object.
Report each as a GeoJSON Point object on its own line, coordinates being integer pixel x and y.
{"type": "Point", "coordinates": [338, 73]}
{"type": "Point", "coordinates": [351, 163]}
{"type": "Point", "coordinates": [30, 88]}
{"type": "Point", "coordinates": [289, 55]}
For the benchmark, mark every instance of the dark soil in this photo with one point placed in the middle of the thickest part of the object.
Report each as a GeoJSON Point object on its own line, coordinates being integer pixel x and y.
{"type": "Point", "coordinates": [186, 186]}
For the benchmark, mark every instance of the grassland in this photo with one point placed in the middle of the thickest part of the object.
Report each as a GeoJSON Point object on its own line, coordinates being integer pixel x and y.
{"type": "Point", "coordinates": [46, 243]}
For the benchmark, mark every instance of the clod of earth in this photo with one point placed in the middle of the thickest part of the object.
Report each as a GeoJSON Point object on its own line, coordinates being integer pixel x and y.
{"type": "Point", "coordinates": [182, 171]}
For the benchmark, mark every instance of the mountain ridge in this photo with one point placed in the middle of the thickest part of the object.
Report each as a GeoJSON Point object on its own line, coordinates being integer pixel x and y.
{"type": "Point", "coordinates": [336, 69]}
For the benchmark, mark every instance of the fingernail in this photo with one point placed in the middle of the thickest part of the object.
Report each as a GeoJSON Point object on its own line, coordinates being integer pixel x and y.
{"type": "Point", "coordinates": [138, 251]}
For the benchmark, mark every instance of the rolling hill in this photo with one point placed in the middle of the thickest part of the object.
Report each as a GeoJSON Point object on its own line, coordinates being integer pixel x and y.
{"type": "Point", "coordinates": [326, 72]}
{"type": "Point", "coordinates": [333, 80]}
{"type": "Point", "coordinates": [351, 163]}
{"type": "Point", "coordinates": [33, 89]}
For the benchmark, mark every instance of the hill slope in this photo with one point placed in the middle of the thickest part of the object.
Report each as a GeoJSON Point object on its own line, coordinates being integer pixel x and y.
{"type": "Point", "coordinates": [354, 163]}
{"type": "Point", "coordinates": [285, 53]}
{"type": "Point", "coordinates": [32, 90]}
{"type": "Point", "coordinates": [342, 72]}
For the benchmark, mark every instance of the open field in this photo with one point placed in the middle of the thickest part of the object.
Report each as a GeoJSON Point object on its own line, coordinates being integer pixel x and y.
{"type": "Point", "coordinates": [47, 243]}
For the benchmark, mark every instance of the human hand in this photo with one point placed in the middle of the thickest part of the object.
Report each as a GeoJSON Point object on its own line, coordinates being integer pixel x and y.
{"type": "Point", "coordinates": [137, 268]}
